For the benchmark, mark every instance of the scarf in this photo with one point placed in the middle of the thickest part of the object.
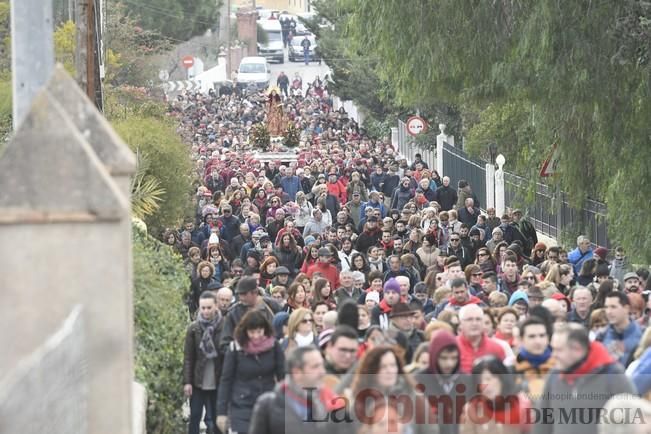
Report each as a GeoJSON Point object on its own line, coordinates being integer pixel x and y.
{"type": "Point", "coordinates": [260, 345]}
{"type": "Point", "coordinates": [207, 345]}
{"type": "Point", "coordinates": [303, 341]}
{"type": "Point", "coordinates": [536, 359]}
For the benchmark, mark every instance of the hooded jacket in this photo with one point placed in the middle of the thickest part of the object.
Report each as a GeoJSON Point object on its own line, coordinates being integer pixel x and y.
{"type": "Point", "coordinates": [441, 390]}
{"type": "Point", "coordinates": [590, 385]}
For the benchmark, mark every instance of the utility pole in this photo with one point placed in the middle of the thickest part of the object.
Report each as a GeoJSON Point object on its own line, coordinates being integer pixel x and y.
{"type": "Point", "coordinates": [228, 38]}
{"type": "Point", "coordinates": [87, 53]}
{"type": "Point", "coordinates": [32, 52]}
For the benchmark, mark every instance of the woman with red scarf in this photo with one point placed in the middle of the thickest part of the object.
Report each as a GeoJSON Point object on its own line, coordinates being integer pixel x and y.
{"type": "Point", "coordinates": [497, 407]}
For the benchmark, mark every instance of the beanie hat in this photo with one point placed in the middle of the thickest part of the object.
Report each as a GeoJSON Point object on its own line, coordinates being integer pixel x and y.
{"type": "Point", "coordinates": [540, 246]}
{"type": "Point", "coordinates": [602, 252]}
{"type": "Point", "coordinates": [372, 295]}
{"type": "Point", "coordinates": [392, 285]}
{"type": "Point", "coordinates": [280, 320]}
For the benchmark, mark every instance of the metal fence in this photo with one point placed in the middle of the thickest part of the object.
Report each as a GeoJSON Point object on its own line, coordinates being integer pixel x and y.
{"type": "Point", "coordinates": [458, 165]}
{"type": "Point", "coordinates": [551, 213]}
{"type": "Point", "coordinates": [47, 392]}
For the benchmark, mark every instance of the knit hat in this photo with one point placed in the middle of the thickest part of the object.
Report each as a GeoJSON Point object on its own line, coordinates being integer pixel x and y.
{"type": "Point", "coordinates": [281, 270]}
{"type": "Point", "coordinates": [373, 295]}
{"type": "Point", "coordinates": [540, 246]}
{"type": "Point", "coordinates": [247, 284]}
{"type": "Point", "coordinates": [602, 252]}
{"type": "Point", "coordinates": [518, 296]}
{"type": "Point", "coordinates": [280, 320]}
{"type": "Point", "coordinates": [324, 337]}
{"type": "Point", "coordinates": [392, 285]}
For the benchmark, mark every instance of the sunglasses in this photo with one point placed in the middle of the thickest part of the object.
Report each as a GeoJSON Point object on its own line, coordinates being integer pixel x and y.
{"type": "Point", "coordinates": [482, 254]}
{"type": "Point", "coordinates": [454, 239]}
{"type": "Point", "coordinates": [477, 274]}
{"type": "Point", "coordinates": [306, 320]}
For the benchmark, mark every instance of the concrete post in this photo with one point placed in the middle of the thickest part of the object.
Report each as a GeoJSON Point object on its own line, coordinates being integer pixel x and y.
{"type": "Point", "coordinates": [490, 186]}
{"type": "Point", "coordinates": [62, 214]}
{"type": "Point", "coordinates": [499, 186]}
{"type": "Point", "coordinates": [32, 52]}
{"type": "Point", "coordinates": [394, 138]}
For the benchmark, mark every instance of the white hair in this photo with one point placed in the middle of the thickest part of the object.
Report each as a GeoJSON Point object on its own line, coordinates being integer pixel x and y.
{"type": "Point", "coordinates": [582, 239]}
{"type": "Point", "coordinates": [467, 310]}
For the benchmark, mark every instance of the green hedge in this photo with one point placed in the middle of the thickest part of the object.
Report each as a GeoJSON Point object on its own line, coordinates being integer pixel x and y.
{"type": "Point", "coordinates": [169, 163]}
{"type": "Point", "coordinates": [160, 323]}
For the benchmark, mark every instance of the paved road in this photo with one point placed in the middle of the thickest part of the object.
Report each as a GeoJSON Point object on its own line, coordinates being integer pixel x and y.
{"type": "Point", "coordinates": [307, 73]}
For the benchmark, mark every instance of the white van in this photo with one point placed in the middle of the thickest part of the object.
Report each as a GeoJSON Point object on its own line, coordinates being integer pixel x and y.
{"type": "Point", "coordinates": [273, 49]}
{"type": "Point", "coordinates": [253, 72]}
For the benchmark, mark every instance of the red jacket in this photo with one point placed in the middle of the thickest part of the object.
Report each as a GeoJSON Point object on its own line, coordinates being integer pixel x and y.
{"type": "Point", "coordinates": [469, 354]}
{"type": "Point", "coordinates": [328, 271]}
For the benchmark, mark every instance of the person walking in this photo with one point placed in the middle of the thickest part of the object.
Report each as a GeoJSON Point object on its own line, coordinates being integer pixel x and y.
{"type": "Point", "coordinates": [202, 363]}
{"type": "Point", "coordinates": [306, 44]}
{"type": "Point", "coordinates": [283, 83]}
{"type": "Point", "coordinates": [252, 365]}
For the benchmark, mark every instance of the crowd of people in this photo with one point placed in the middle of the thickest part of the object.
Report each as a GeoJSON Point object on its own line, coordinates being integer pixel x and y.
{"type": "Point", "coordinates": [347, 289]}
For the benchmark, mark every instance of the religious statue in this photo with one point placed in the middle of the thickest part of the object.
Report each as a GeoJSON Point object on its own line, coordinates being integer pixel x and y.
{"type": "Point", "coordinates": [275, 115]}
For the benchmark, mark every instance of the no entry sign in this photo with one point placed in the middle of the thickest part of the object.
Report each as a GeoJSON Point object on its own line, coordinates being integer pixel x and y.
{"type": "Point", "coordinates": [416, 125]}
{"type": "Point", "coordinates": [187, 62]}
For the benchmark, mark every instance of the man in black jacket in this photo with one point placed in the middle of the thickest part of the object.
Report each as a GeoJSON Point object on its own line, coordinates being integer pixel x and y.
{"type": "Point", "coordinates": [202, 363]}
{"type": "Point", "coordinates": [298, 404]}
{"type": "Point", "coordinates": [249, 298]}
{"type": "Point", "coordinates": [446, 196]}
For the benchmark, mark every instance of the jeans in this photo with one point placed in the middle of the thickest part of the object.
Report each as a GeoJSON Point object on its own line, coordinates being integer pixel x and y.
{"type": "Point", "coordinates": [306, 56]}
{"type": "Point", "coordinates": [200, 399]}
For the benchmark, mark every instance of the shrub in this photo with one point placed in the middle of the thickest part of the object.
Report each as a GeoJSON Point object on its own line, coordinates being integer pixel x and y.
{"type": "Point", "coordinates": [160, 323]}
{"type": "Point", "coordinates": [169, 163]}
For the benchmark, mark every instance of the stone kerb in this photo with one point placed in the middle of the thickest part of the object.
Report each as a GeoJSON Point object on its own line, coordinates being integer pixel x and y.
{"type": "Point", "coordinates": [62, 221]}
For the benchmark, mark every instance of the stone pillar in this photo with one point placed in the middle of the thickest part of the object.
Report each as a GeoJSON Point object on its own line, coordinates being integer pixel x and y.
{"type": "Point", "coordinates": [499, 186]}
{"type": "Point", "coordinates": [62, 222]}
{"type": "Point", "coordinates": [490, 186]}
{"type": "Point", "coordinates": [247, 29]}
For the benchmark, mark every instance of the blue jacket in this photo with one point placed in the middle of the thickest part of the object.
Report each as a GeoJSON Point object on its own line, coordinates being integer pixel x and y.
{"type": "Point", "coordinates": [291, 185]}
{"type": "Point", "coordinates": [577, 258]}
{"type": "Point", "coordinates": [642, 374]}
{"type": "Point", "coordinates": [630, 337]}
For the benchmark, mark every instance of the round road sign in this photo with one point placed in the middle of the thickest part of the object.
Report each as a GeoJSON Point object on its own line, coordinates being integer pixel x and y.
{"type": "Point", "coordinates": [416, 125]}
{"type": "Point", "coordinates": [187, 62]}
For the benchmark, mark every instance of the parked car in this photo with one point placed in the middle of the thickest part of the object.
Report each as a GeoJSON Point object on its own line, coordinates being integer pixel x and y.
{"type": "Point", "coordinates": [254, 72]}
{"type": "Point", "coordinates": [295, 51]}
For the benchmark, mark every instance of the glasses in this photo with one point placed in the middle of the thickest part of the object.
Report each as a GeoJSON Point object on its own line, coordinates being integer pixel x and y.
{"type": "Point", "coordinates": [307, 321]}
{"type": "Point", "coordinates": [454, 239]}
{"type": "Point", "coordinates": [477, 274]}
{"type": "Point", "coordinates": [482, 254]}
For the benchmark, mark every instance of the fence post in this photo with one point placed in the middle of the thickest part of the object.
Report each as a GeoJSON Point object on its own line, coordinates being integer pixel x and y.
{"type": "Point", "coordinates": [490, 186]}
{"type": "Point", "coordinates": [499, 185]}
